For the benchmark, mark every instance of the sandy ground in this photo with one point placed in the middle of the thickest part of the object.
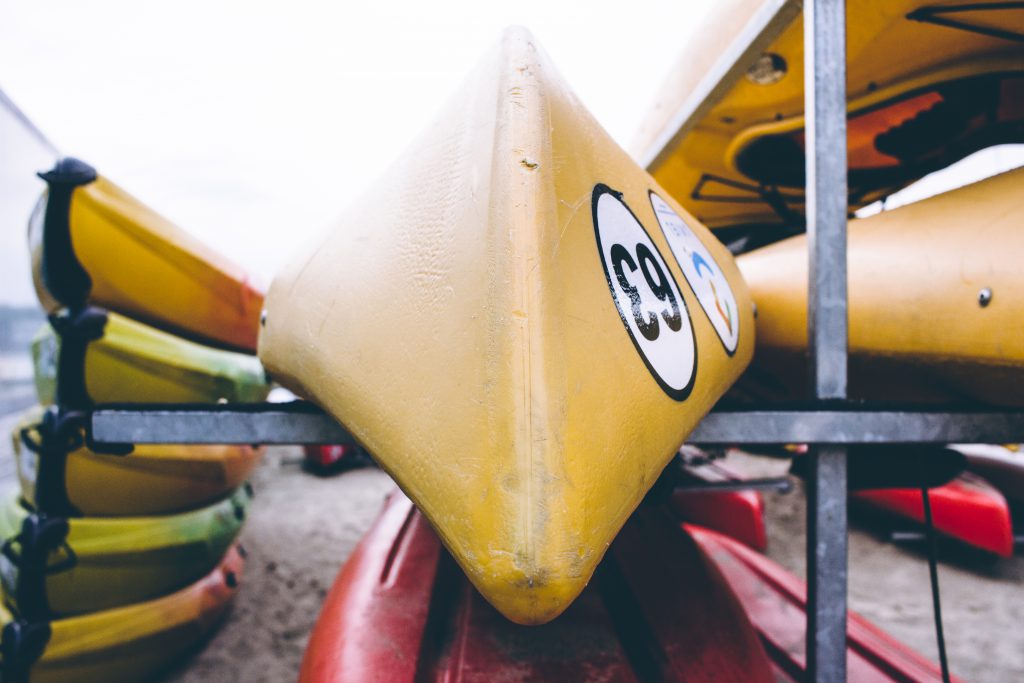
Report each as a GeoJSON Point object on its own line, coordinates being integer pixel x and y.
{"type": "Point", "coordinates": [302, 528]}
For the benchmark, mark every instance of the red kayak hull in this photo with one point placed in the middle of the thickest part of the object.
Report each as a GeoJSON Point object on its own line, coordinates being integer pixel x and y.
{"type": "Point", "coordinates": [968, 509]}
{"type": "Point", "coordinates": [667, 603]}
{"type": "Point", "coordinates": [737, 514]}
{"type": "Point", "coordinates": [776, 603]}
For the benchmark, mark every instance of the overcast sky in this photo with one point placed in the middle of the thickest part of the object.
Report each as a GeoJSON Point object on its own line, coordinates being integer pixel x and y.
{"type": "Point", "coordinates": [253, 124]}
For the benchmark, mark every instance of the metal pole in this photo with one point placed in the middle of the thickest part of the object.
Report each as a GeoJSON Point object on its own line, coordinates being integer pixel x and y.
{"type": "Point", "coordinates": [825, 110]}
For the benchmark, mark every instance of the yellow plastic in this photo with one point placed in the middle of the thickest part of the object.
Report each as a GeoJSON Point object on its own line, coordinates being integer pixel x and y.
{"type": "Point", "coordinates": [890, 57]}
{"type": "Point", "coordinates": [121, 560]}
{"type": "Point", "coordinates": [460, 323]}
{"type": "Point", "coordinates": [143, 266]}
{"type": "Point", "coordinates": [135, 363]}
{"type": "Point", "coordinates": [151, 480]}
{"type": "Point", "coordinates": [136, 642]}
{"type": "Point", "coordinates": [915, 277]}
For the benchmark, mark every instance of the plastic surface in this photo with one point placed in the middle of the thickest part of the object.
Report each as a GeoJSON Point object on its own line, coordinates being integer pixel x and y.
{"type": "Point", "coordinates": [915, 277]}
{"type": "Point", "coordinates": [151, 480]}
{"type": "Point", "coordinates": [137, 642]}
{"type": "Point", "coordinates": [110, 562]}
{"type": "Point", "coordinates": [737, 514]}
{"type": "Point", "coordinates": [775, 601]}
{"type": "Point", "coordinates": [502, 322]}
{"type": "Point", "coordinates": [968, 509]}
{"type": "Point", "coordinates": [402, 611]}
{"type": "Point", "coordinates": [141, 265]}
{"type": "Point", "coordinates": [135, 363]}
{"type": "Point", "coordinates": [667, 604]}
{"type": "Point", "coordinates": [911, 111]}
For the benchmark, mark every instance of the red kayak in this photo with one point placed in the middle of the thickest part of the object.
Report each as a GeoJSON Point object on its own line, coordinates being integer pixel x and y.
{"type": "Point", "coordinates": [737, 514]}
{"type": "Point", "coordinates": [968, 509]}
{"type": "Point", "coordinates": [668, 603]}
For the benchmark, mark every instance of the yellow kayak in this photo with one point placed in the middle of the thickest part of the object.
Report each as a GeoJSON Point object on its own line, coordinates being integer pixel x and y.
{"type": "Point", "coordinates": [929, 82]}
{"type": "Point", "coordinates": [934, 295]}
{"type": "Point", "coordinates": [123, 645]}
{"type": "Point", "coordinates": [101, 357]}
{"type": "Point", "coordinates": [520, 325]}
{"type": "Point", "coordinates": [94, 243]}
{"type": "Point", "coordinates": [151, 480]}
{"type": "Point", "coordinates": [53, 565]}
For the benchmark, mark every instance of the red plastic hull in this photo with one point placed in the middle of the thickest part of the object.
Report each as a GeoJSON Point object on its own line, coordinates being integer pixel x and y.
{"type": "Point", "coordinates": [968, 509]}
{"type": "Point", "coordinates": [776, 601]}
{"type": "Point", "coordinates": [326, 456]}
{"type": "Point", "coordinates": [667, 603]}
{"type": "Point", "coordinates": [737, 514]}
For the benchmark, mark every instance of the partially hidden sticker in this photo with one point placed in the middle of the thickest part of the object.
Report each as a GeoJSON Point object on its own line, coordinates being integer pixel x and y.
{"type": "Point", "coordinates": [702, 272]}
{"type": "Point", "coordinates": [645, 293]}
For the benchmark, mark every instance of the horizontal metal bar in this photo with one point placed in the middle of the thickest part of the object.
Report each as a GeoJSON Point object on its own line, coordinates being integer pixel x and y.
{"type": "Point", "coordinates": [270, 424]}
{"type": "Point", "coordinates": [777, 484]}
{"type": "Point", "coordinates": [302, 423]}
{"type": "Point", "coordinates": [858, 427]}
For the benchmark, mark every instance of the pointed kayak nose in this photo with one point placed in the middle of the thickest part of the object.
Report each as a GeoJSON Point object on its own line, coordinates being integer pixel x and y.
{"type": "Point", "coordinates": [513, 324]}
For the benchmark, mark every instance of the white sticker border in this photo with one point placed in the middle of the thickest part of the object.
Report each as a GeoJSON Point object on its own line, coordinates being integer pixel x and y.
{"type": "Point", "coordinates": [651, 194]}
{"type": "Point", "coordinates": [679, 395]}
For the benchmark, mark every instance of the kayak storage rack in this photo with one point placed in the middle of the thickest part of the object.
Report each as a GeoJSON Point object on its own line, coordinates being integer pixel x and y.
{"type": "Point", "coordinates": [828, 425]}
{"type": "Point", "coordinates": [299, 422]}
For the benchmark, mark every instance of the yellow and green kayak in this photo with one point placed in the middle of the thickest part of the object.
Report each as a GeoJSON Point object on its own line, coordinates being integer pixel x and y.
{"type": "Point", "coordinates": [934, 300]}
{"type": "Point", "coordinates": [929, 82]}
{"type": "Point", "coordinates": [96, 356]}
{"type": "Point", "coordinates": [60, 566]}
{"type": "Point", "coordinates": [520, 325]}
{"type": "Point", "coordinates": [94, 243]}
{"type": "Point", "coordinates": [151, 480]}
{"type": "Point", "coordinates": [122, 645]}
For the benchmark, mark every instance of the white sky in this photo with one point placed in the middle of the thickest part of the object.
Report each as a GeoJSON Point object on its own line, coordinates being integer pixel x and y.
{"type": "Point", "coordinates": [253, 124]}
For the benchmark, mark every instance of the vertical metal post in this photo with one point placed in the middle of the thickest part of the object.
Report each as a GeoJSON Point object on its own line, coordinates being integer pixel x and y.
{"type": "Point", "coordinates": [825, 108]}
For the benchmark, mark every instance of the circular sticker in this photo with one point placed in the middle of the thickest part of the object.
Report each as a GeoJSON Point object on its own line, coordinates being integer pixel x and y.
{"type": "Point", "coordinates": [702, 273]}
{"type": "Point", "coordinates": [645, 293]}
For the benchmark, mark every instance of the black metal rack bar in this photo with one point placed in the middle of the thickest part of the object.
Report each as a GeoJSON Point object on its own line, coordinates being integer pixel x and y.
{"type": "Point", "coordinates": [299, 423]}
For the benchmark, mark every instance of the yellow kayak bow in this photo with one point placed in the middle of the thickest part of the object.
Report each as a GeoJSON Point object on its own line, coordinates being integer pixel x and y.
{"type": "Point", "coordinates": [520, 325]}
{"type": "Point", "coordinates": [93, 243]}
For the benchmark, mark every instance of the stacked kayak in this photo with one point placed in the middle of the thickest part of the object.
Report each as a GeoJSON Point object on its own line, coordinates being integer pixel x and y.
{"type": "Point", "coordinates": [520, 325]}
{"type": "Point", "coordinates": [64, 566]}
{"type": "Point", "coordinates": [151, 480]}
{"type": "Point", "coordinates": [934, 309]}
{"type": "Point", "coordinates": [93, 243]}
{"type": "Point", "coordinates": [115, 561]}
{"type": "Point", "coordinates": [123, 644]}
{"type": "Point", "coordinates": [928, 83]}
{"type": "Point", "coordinates": [103, 357]}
